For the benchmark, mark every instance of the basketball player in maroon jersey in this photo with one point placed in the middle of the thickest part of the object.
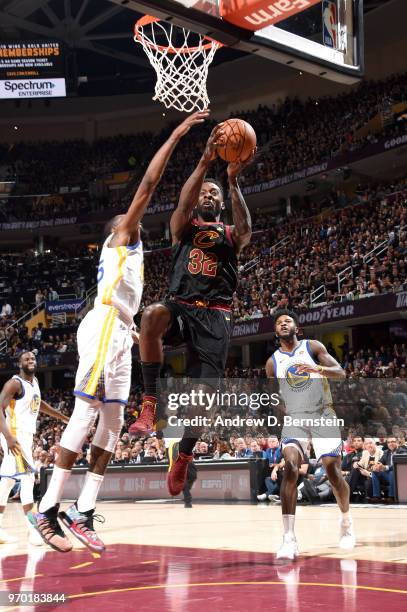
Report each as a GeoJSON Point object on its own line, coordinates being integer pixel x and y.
{"type": "Point", "coordinates": [203, 278]}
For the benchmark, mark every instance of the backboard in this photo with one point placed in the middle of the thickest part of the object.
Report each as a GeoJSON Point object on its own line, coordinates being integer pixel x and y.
{"type": "Point", "coordinates": [324, 37]}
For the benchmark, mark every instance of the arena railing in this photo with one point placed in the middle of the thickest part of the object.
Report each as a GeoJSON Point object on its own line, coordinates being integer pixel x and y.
{"type": "Point", "coordinates": [378, 250]}
{"type": "Point", "coordinates": [317, 295]}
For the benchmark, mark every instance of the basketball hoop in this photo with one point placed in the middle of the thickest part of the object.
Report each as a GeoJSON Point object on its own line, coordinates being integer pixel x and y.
{"type": "Point", "coordinates": [181, 62]}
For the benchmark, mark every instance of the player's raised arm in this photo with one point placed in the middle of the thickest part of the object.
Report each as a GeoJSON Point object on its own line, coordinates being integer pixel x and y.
{"type": "Point", "coordinates": [128, 228]}
{"type": "Point", "coordinates": [328, 366]}
{"type": "Point", "coordinates": [8, 393]}
{"type": "Point", "coordinates": [242, 221]}
{"type": "Point", "coordinates": [189, 195]}
{"type": "Point", "coordinates": [55, 414]}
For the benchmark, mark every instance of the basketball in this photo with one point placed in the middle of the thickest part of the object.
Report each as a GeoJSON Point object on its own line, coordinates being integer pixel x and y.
{"type": "Point", "coordinates": [239, 140]}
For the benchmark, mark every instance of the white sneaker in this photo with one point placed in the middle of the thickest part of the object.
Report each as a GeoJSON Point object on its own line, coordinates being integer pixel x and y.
{"type": "Point", "coordinates": [289, 548]}
{"type": "Point", "coordinates": [5, 538]}
{"type": "Point", "coordinates": [262, 497]}
{"type": "Point", "coordinates": [273, 498]}
{"type": "Point", "coordinates": [34, 537]}
{"type": "Point", "coordinates": [347, 538]}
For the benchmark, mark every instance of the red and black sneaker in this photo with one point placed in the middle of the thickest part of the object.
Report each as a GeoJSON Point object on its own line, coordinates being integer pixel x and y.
{"type": "Point", "coordinates": [177, 471]}
{"type": "Point", "coordinates": [81, 525]}
{"type": "Point", "coordinates": [145, 422]}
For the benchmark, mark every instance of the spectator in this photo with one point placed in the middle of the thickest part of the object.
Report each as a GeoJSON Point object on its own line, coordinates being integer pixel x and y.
{"type": "Point", "coordinates": [223, 450]}
{"type": "Point", "coordinates": [241, 449]}
{"type": "Point", "coordinates": [350, 464]}
{"type": "Point", "coordinates": [275, 460]}
{"type": "Point", "coordinates": [6, 310]}
{"type": "Point", "coordinates": [52, 294]}
{"type": "Point", "coordinates": [361, 474]}
{"type": "Point", "coordinates": [383, 472]}
{"type": "Point", "coordinates": [39, 297]}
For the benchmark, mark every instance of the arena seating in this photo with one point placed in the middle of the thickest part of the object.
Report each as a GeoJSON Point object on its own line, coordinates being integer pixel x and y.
{"type": "Point", "coordinates": [292, 135]}
{"type": "Point", "coordinates": [283, 265]}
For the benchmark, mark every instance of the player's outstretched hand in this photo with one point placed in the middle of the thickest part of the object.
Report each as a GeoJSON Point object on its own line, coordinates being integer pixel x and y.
{"type": "Point", "coordinates": [190, 121]}
{"type": "Point", "coordinates": [235, 168]}
{"type": "Point", "coordinates": [215, 139]}
{"type": "Point", "coordinates": [13, 446]}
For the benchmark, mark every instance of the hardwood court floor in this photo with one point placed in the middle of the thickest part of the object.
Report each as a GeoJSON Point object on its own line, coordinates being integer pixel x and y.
{"type": "Point", "coordinates": [161, 556]}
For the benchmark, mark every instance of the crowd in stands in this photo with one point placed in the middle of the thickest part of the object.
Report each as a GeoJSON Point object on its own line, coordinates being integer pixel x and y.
{"type": "Point", "coordinates": [292, 135]}
{"type": "Point", "coordinates": [45, 167]}
{"type": "Point", "coordinates": [367, 460]}
{"type": "Point", "coordinates": [309, 254]}
{"type": "Point", "coordinates": [28, 279]}
{"type": "Point", "coordinates": [287, 260]}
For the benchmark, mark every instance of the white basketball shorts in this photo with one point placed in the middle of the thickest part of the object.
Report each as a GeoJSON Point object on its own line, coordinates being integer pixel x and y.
{"type": "Point", "coordinates": [104, 348]}
{"type": "Point", "coordinates": [326, 440]}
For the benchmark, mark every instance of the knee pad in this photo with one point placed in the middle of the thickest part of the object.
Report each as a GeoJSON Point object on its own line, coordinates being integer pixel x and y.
{"type": "Point", "coordinates": [82, 419]}
{"type": "Point", "coordinates": [27, 489]}
{"type": "Point", "coordinates": [110, 424]}
{"type": "Point", "coordinates": [6, 484]}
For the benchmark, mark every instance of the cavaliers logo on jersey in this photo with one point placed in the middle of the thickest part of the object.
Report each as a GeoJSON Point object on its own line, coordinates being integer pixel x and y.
{"type": "Point", "coordinates": [35, 404]}
{"type": "Point", "coordinates": [297, 382]}
{"type": "Point", "coordinates": [205, 239]}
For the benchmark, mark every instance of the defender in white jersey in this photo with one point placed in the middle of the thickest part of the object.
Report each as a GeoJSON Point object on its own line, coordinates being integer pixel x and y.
{"type": "Point", "coordinates": [20, 403]}
{"type": "Point", "coordinates": [302, 369]}
{"type": "Point", "coordinates": [102, 385]}
{"type": "Point", "coordinates": [105, 335]}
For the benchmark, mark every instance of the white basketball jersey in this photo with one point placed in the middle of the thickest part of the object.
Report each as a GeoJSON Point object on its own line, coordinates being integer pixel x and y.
{"type": "Point", "coordinates": [301, 392]}
{"type": "Point", "coordinates": [22, 413]}
{"type": "Point", "coordinates": [120, 278]}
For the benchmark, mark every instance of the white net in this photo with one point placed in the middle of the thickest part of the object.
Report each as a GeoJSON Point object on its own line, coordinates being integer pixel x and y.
{"type": "Point", "coordinates": [181, 60]}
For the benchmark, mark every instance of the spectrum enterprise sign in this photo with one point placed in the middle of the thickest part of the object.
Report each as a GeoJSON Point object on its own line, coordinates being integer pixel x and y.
{"type": "Point", "coordinates": [32, 69]}
{"type": "Point", "coordinates": [33, 88]}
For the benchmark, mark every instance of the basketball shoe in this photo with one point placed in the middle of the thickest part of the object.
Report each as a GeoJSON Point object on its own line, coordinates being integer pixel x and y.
{"type": "Point", "coordinates": [347, 538]}
{"type": "Point", "coordinates": [289, 548]}
{"type": "Point", "coordinates": [46, 523]}
{"type": "Point", "coordinates": [177, 471]}
{"type": "Point", "coordinates": [80, 524]}
{"type": "Point", "coordinates": [149, 420]}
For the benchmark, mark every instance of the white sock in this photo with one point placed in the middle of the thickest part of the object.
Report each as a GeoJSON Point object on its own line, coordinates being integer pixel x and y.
{"type": "Point", "coordinates": [56, 486]}
{"type": "Point", "coordinates": [288, 524]}
{"type": "Point", "coordinates": [346, 517]}
{"type": "Point", "coordinates": [87, 498]}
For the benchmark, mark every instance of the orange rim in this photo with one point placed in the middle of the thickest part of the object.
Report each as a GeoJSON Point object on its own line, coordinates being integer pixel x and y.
{"type": "Point", "coordinates": [148, 19]}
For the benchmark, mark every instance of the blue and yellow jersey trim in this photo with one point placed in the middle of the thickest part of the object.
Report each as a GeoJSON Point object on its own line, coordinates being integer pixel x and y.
{"type": "Point", "coordinates": [22, 464]}
{"type": "Point", "coordinates": [104, 340]}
